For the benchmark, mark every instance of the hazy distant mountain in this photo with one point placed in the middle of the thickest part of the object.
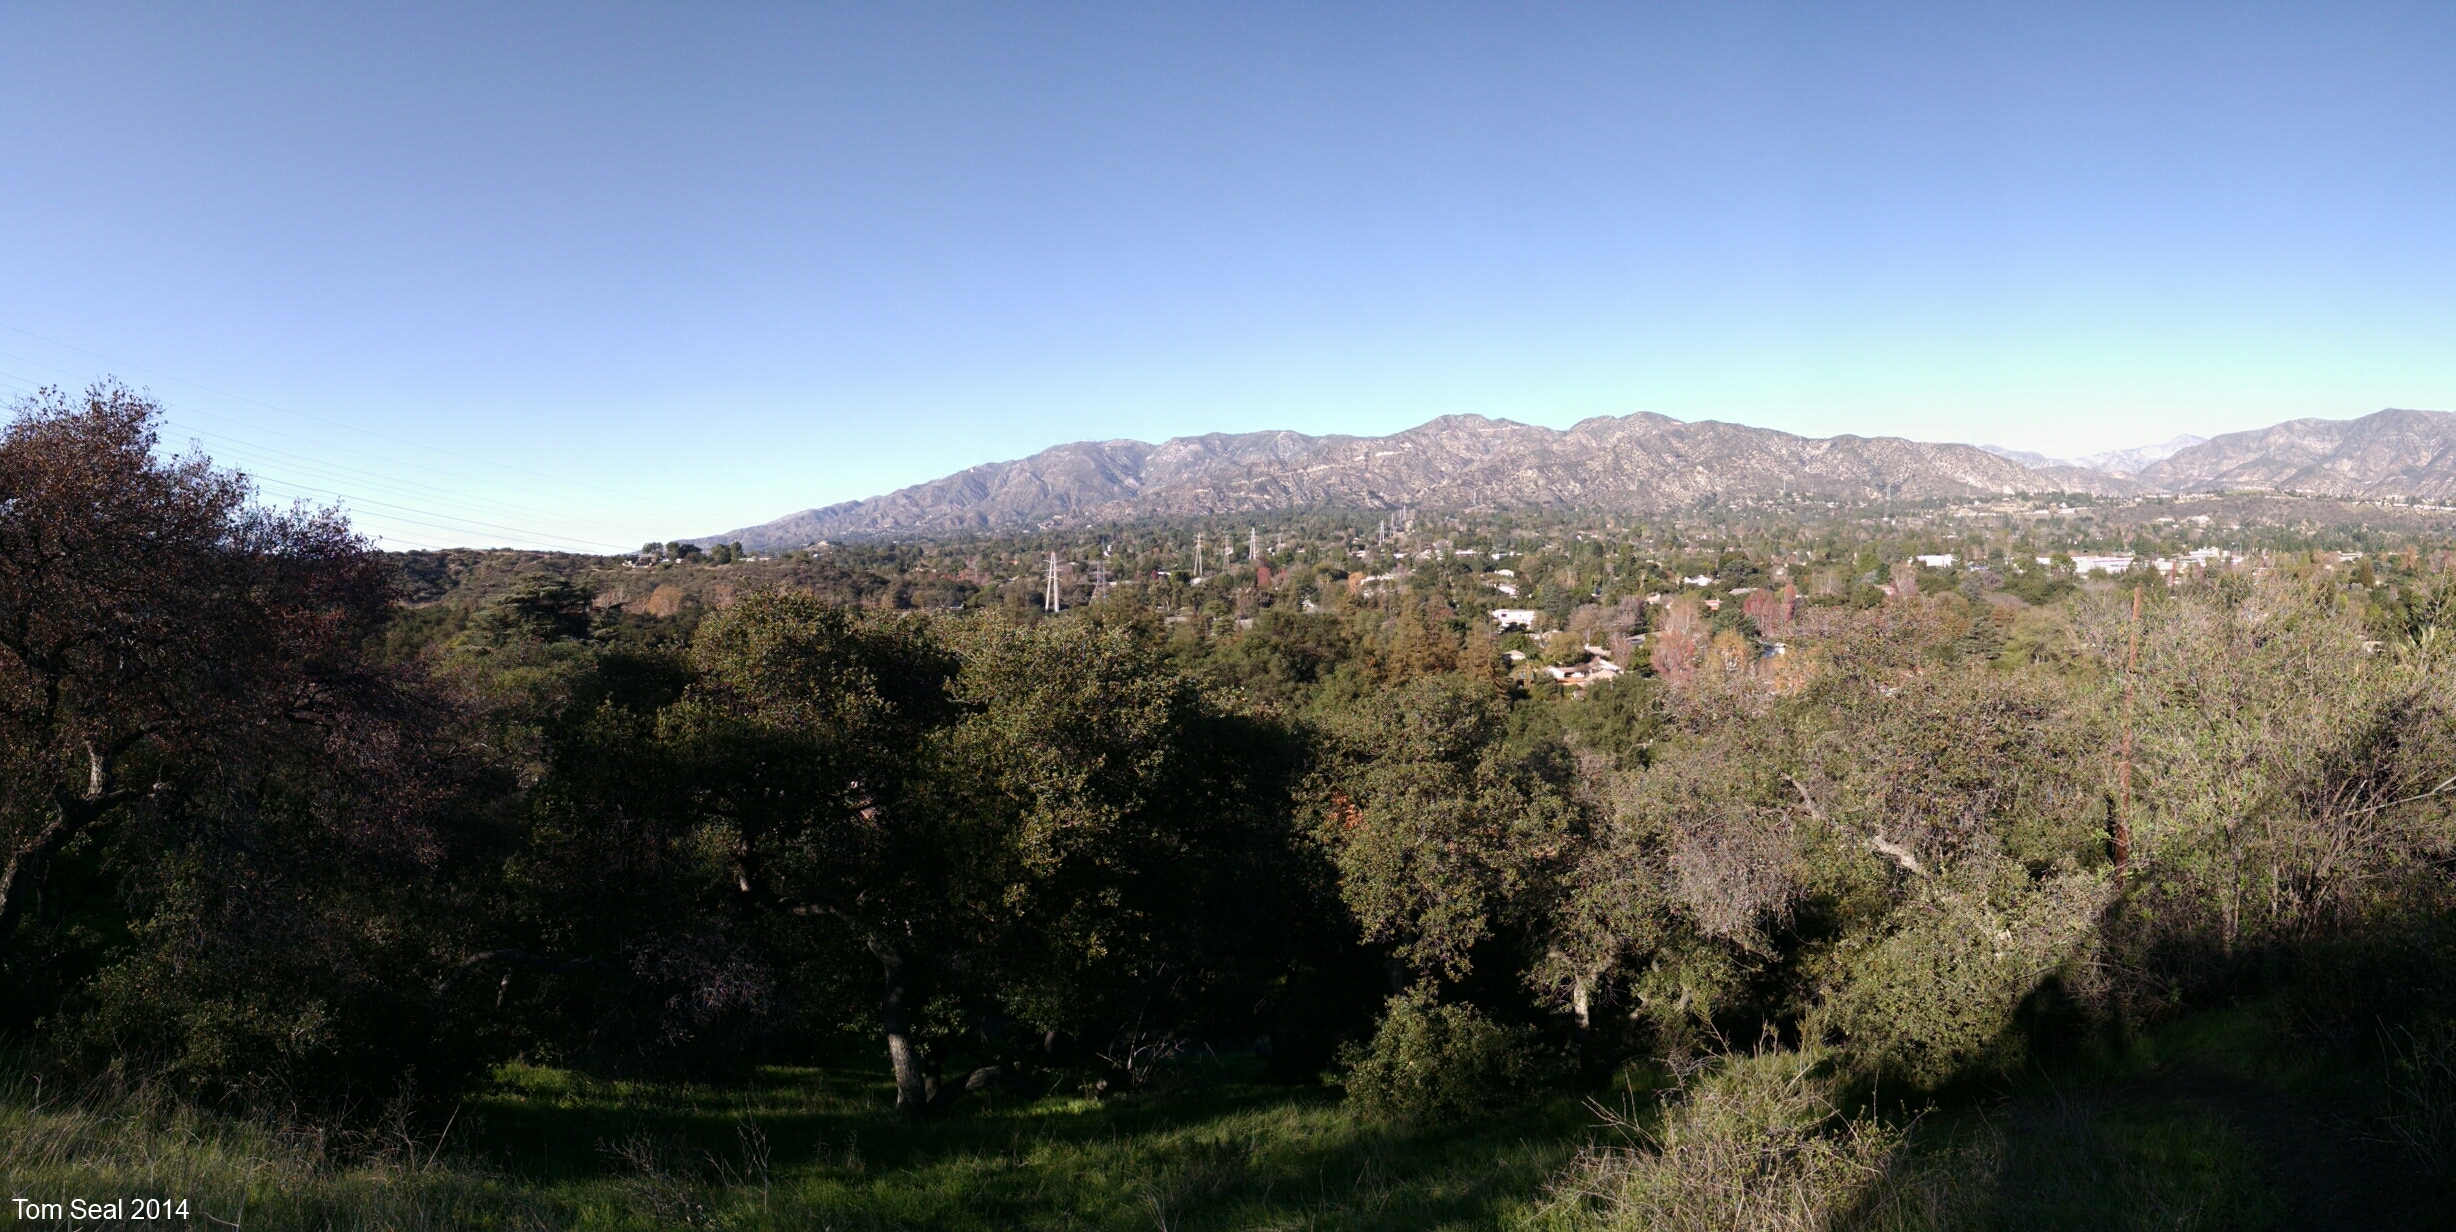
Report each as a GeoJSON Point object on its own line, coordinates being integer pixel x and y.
{"type": "Point", "coordinates": [2134, 461]}
{"type": "Point", "coordinates": [2112, 462]}
{"type": "Point", "coordinates": [1635, 462]}
{"type": "Point", "coordinates": [2391, 453]}
{"type": "Point", "coordinates": [2024, 457]}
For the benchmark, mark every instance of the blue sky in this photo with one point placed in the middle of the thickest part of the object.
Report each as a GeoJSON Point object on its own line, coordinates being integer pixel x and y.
{"type": "Point", "coordinates": [587, 275]}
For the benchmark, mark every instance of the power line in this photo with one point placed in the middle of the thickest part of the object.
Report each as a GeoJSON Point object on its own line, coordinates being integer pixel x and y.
{"type": "Point", "coordinates": [286, 487]}
{"type": "Point", "coordinates": [422, 511]}
{"type": "Point", "coordinates": [188, 408]}
{"type": "Point", "coordinates": [416, 513]}
{"type": "Point", "coordinates": [239, 448]}
{"type": "Point", "coordinates": [289, 486]}
{"type": "Point", "coordinates": [304, 415]}
{"type": "Point", "coordinates": [303, 492]}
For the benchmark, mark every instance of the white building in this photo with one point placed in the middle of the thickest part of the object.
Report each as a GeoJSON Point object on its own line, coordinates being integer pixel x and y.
{"type": "Point", "coordinates": [1507, 618]}
{"type": "Point", "coordinates": [2120, 563]}
{"type": "Point", "coordinates": [1584, 674]}
{"type": "Point", "coordinates": [1942, 561]}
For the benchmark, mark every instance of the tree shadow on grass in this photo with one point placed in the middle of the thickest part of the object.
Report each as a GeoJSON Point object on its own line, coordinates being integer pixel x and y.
{"type": "Point", "coordinates": [822, 1147]}
{"type": "Point", "coordinates": [2182, 1146]}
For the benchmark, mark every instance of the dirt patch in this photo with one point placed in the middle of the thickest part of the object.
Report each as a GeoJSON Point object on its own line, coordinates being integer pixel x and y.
{"type": "Point", "coordinates": [665, 600]}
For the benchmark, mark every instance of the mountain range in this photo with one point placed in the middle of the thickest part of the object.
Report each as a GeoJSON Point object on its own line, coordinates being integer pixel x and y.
{"type": "Point", "coordinates": [2112, 462]}
{"type": "Point", "coordinates": [1635, 462]}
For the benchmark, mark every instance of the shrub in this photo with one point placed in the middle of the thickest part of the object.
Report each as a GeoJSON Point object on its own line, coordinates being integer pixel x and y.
{"type": "Point", "coordinates": [1759, 1145]}
{"type": "Point", "coordinates": [1431, 1062]}
{"type": "Point", "coordinates": [1938, 996]}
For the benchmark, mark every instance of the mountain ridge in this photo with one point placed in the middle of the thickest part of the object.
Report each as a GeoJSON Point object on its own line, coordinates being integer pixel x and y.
{"type": "Point", "coordinates": [2394, 452]}
{"type": "Point", "coordinates": [1641, 461]}
{"type": "Point", "coordinates": [1637, 461]}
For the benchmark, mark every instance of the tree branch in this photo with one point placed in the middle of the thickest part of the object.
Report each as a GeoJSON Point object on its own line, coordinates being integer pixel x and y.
{"type": "Point", "coordinates": [25, 867]}
{"type": "Point", "coordinates": [1805, 798]}
{"type": "Point", "coordinates": [942, 1095]}
{"type": "Point", "coordinates": [70, 815]}
{"type": "Point", "coordinates": [2451, 782]}
{"type": "Point", "coordinates": [1901, 855]}
{"type": "Point", "coordinates": [1876, 841]}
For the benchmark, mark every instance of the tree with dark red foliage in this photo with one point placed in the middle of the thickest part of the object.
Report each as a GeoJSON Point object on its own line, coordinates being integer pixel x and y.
{"type": "Point", "coordinates": [150, 613]}
{"type": "Point", "coordinates": [220, 853]}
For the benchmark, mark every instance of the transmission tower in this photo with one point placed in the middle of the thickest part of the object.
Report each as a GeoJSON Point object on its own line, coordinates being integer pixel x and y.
{"type": "Point", "coordinates": [1050, 601]}
{"type": "Point", "coordinates": [1253, 543]}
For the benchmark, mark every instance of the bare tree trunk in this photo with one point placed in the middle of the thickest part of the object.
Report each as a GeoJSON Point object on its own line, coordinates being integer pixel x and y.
{"type": "Point", "coordinates": [912, 1094]}
{"type": "Point", "coordinates": [1581, 997]}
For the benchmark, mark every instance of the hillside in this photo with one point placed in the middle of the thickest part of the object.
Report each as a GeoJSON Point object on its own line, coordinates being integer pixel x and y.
{"type": "Point", "coordinates": [1460, 462]}
{"type": "Point", "coordinates": [1640, 462]}
{"type": "Point", "coordinates": [2389, 453]}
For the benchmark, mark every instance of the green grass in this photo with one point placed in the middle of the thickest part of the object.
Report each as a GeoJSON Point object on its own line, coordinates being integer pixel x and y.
{"type": "Point", "coordinates": [2208, 1123]}
{"type": "Point", "coordinates": [2051, 1162]}
{"type": "Point", "coordinates": [2240, 1041]}
{"type": "Point", "coordinates": [818, 1148]}
{"type": "Point", "coordinates": [809, 1148]}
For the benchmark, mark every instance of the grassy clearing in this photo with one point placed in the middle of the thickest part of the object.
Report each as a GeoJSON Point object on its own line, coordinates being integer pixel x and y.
{"type": "Point", "coordinates": [2205, 1125]}
{"type": "Point", "coordinates": [103, 1146]}
{"type": "Point", "coordinates": [805, 1148]}
{"type": "Point", "coordinates": [816, 1148]}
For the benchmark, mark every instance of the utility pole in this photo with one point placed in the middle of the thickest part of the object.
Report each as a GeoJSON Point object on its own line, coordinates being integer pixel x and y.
{"type": "Point", "coordinates": [1050, 601]}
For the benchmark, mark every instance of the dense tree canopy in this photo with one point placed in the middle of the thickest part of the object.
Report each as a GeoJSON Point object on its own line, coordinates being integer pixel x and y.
{"type": "Point", "coordinates": [192, 744]}
{"type": "Point", "coordinates": [277, 833]}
